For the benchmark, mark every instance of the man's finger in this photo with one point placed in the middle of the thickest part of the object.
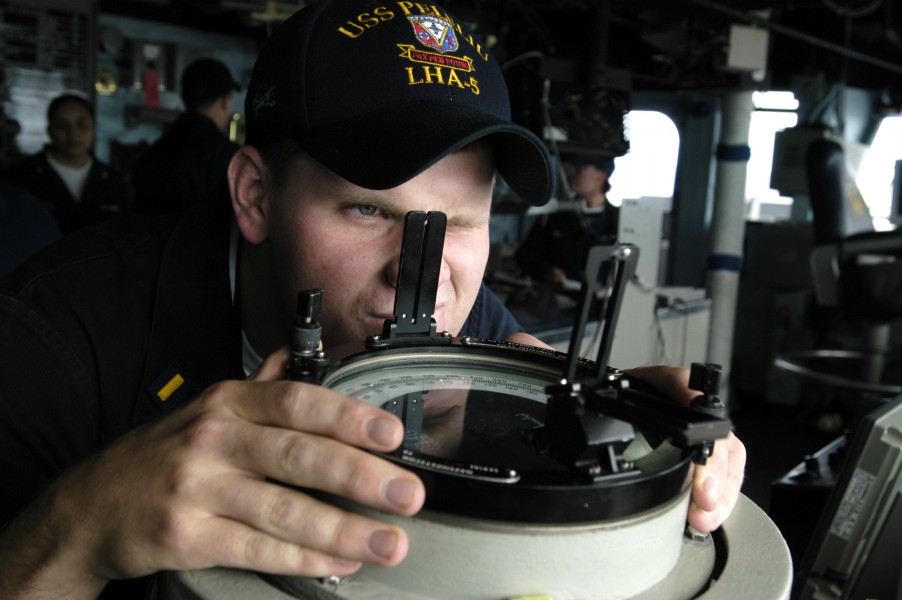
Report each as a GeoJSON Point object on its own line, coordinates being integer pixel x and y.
{"type": "Point", "coordinates": [312, 461]}
{"type": "Point", "coordinates": [716, 485]}
{"type": "Point", "coordinates": [229, 543]}
{"type": "Point", "coordinates": [306, 407]}
{"type": "Point", "coordinates": [295, 517]}
{"type": "Point", "coordinates": [274, 367]}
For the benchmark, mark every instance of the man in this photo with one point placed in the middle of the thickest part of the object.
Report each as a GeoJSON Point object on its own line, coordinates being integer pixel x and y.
{"type": "Point", "coordinates": [70, 182]}
{"type": "Point", "coordinates": [358, 112]}
{"type": "Point", "coordinates": [555, 247]}
{"type": "Point", "coordinates": [190, 159]}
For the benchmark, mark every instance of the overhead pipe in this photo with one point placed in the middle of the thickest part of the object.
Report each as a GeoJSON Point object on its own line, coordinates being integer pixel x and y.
{"type": "Point", "coordinates": [728, 229]}
{"type": "Point", "coordinates": [801, 36]}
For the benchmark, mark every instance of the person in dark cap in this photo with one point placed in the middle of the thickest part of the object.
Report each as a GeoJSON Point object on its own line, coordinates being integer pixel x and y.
{"type": "Point", "coordinates": [554, 249]}
{"type": "Point", "coordinates": [143, 430]}
{"type": "Point", "coordinates": [190, 159]}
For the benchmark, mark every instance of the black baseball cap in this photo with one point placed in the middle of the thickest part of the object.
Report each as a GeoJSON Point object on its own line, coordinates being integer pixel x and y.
{"type": "Point", "coordinates": [379, 91]}
{"type": "Point", "coordinates": [205, 79]}
{"type": "Point", "coordinates": [602, 163]}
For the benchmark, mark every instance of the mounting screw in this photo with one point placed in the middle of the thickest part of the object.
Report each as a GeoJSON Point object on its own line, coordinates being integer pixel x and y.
{"type": "Point", "coordinates": [305, 332]}
{"type": "Point", "coordinates": [705, 378]}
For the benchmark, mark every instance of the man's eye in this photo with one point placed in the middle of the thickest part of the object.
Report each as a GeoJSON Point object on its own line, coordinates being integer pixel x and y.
{"type": "Point", "coordinates": [367, 210]}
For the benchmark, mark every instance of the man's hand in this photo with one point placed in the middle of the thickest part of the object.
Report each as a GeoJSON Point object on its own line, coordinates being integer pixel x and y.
{"type": "Point", "coordinates": [213, 499]}
{"type": "Point", "coordinates": [556, 275]}
{"type": "Point", "coordinates": [199, 488]}
{"type": "Point", "coordinates": [716, 484]}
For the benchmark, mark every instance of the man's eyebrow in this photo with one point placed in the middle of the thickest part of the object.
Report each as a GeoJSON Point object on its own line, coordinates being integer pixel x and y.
{"type": "Point", "coordinates": [469, 221]}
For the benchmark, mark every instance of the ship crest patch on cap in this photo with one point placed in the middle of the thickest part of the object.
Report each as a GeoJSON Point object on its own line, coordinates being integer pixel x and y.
{"type": "Point", "coordinates": [434, 32]}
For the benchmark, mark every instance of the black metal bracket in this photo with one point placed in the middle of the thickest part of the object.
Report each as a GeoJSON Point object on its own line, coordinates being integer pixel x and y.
{"type": "Point", "coordinates": [577, 410]}
{"type": "Point", "coordinates": [418, 278]}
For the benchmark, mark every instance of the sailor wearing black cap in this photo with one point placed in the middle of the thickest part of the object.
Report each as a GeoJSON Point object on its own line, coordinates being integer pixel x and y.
{"type": "Point", "coordinates": [163, 322]}
{"type": "Point", "coordinates": [554, 249]}
{"type": "Point", "coordinates": [182, 167]}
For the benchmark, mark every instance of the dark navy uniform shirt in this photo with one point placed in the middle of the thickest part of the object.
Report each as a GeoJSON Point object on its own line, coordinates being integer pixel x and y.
{"type": "Point", "coordinates": [107, 193]}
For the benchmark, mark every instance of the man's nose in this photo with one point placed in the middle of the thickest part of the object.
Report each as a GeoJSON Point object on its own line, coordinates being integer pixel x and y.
{"type": "Point", "coordinates": [393, 273]}
{"type": "Point", "coordinates": [393, 268]}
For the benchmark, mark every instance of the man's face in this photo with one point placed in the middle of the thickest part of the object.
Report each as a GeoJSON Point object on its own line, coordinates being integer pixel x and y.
{"type": "Point", "coordinates": [328, 233]}
{"type": "Point", "coordinates": [586, 180]}
{"type": "Point", "coordinates": [71, 130]}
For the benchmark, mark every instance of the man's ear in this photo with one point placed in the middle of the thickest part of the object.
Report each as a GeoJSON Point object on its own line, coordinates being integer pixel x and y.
{"type": "Point", "coordinates": [226, 102]}
{"type": "Point", "coordinates": [249, 189]}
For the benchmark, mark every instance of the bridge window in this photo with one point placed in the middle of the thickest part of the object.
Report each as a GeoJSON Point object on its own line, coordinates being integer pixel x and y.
{"type": "Point", "coordinates": [875, 174]}
{"type": "Point", "coordinates": [773, 111]}
{"type": "Point", "coordinates": [649, 168]}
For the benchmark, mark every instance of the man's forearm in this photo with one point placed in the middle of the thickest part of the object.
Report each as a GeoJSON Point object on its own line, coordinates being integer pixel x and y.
{"type": "Point", "coordinates": [42, 553]}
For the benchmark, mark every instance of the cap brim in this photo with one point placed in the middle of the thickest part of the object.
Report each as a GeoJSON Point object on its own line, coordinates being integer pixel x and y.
{"type": "Point", "coordinates": [385, 148]}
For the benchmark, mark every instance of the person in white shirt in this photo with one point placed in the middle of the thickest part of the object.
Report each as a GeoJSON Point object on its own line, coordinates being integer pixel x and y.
{"type": "Point", "coordinates": [66, 177]}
